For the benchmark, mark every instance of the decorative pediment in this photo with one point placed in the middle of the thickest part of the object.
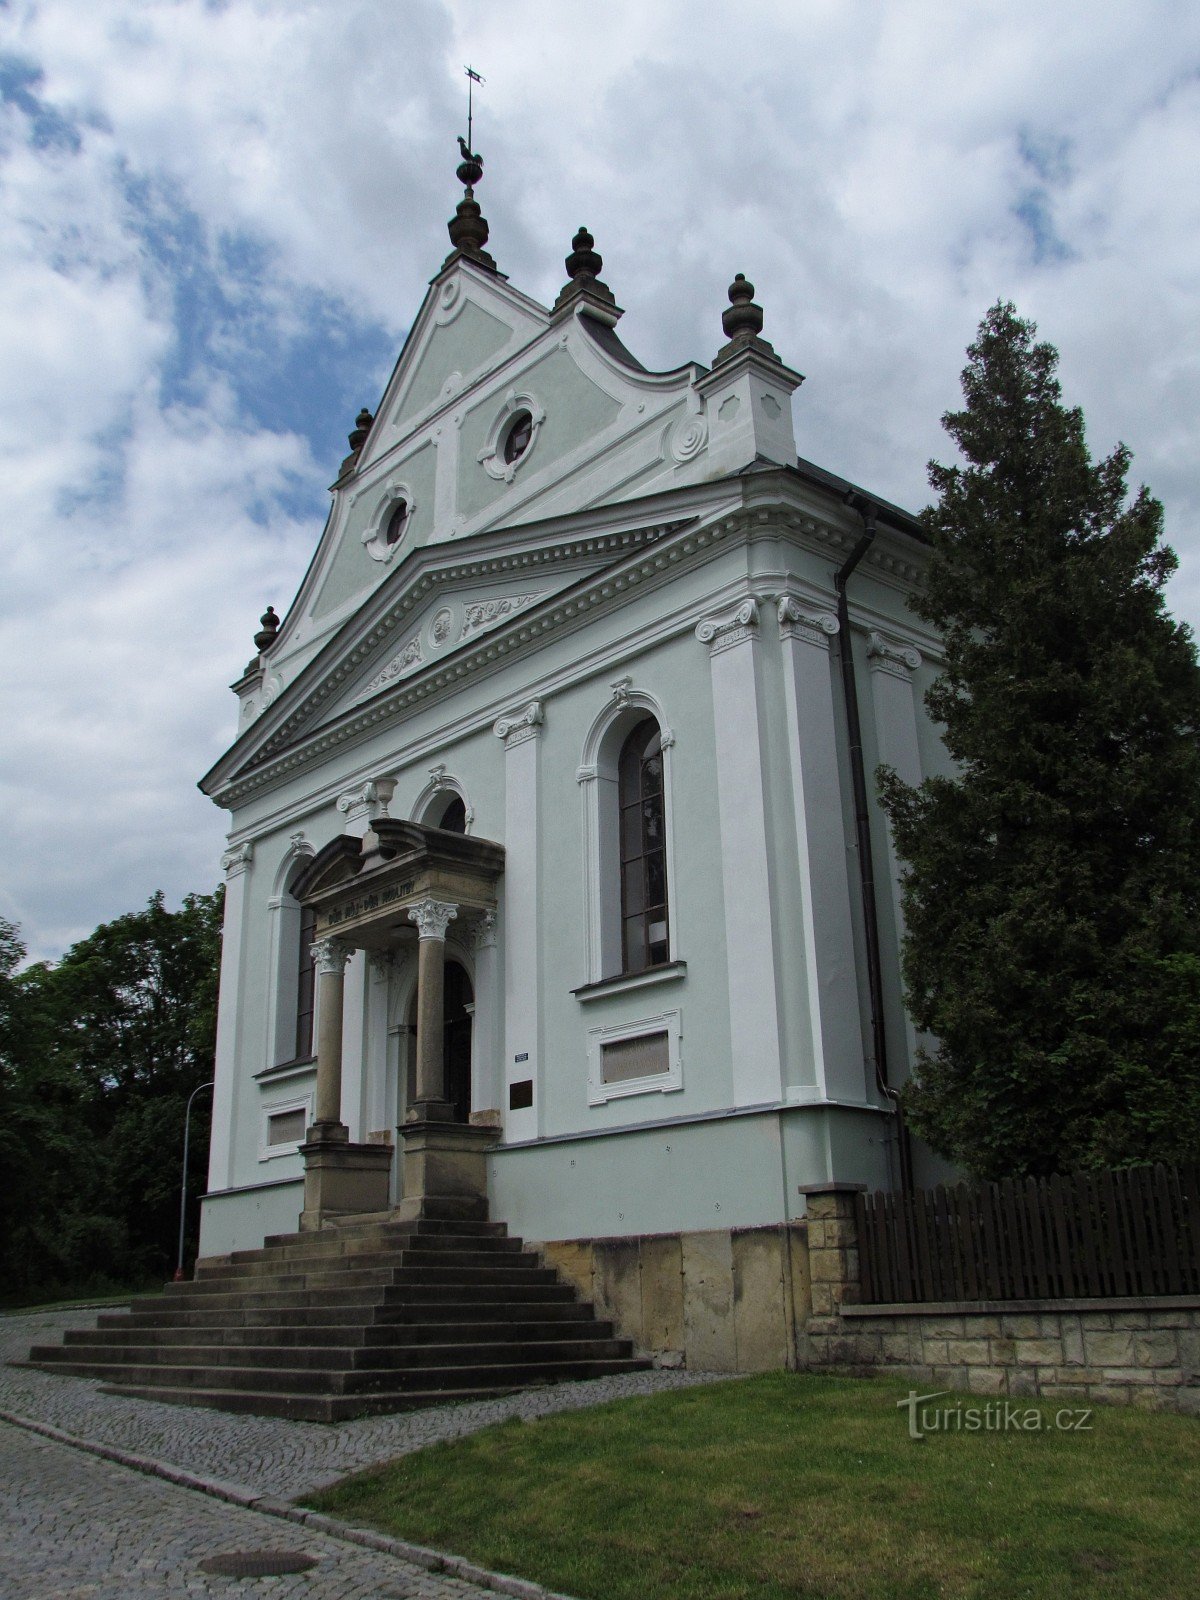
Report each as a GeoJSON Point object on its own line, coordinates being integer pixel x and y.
{"type": "Point", "coordinates": [362, 889]}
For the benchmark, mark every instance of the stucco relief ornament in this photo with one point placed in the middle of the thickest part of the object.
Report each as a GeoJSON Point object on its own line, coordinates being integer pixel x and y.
{"type": "Point", "coordinates": [886, 655]}
{"type": "Point", "coordinates": [521, 725]}
{"type": "Point", "coordinates": [439, 629]}
{"type": "Point", "coordinates": [237, 859]}
{"type": "Point", "coordinates": [479, 613]}
{"type": "Point", "coordinates": [407, 659]}
{"type": "Point", "coordinates": [728, 628]}
{"type": "Point", "coordinates": [689, 438]}
{"type": "Point", "coordinates": [483, 935]}
{"type": "Point", "coordinates": [432, 917]}
{"type": "Point", "coordinates": [797, 622]}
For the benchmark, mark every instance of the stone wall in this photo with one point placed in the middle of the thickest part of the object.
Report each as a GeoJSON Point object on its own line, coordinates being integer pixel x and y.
{"type": "Point", "coordinates": [733, 1300]}
{"type": "Point", "coordinates": [1142, 1350]}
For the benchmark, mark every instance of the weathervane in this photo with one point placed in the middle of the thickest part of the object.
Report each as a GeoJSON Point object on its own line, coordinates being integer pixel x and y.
{"type": "Point", "coordinates": [470, 169]}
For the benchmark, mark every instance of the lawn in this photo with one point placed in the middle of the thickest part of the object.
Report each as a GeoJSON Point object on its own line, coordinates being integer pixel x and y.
{"type": "Point", "coordinates": [794, 1487]}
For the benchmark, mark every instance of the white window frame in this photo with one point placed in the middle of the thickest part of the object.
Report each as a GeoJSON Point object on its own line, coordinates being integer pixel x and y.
{"type": "Point", "coordinates": [668, 1022]}
{"type": "Point", "coordinates": [598, 781]}
{"type": "Point", "coordinates": [278, 1108]}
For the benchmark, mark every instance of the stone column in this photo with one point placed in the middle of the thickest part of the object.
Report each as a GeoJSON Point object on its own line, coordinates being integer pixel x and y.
{"type": "Point", "coordinates": [432, 918]}
{"type": "Point", "coordinates": [330, 957]}
{"type": "Point", "coordinates": [732, 640]}
{"type": "Point", "coordinates": [340, 1179]}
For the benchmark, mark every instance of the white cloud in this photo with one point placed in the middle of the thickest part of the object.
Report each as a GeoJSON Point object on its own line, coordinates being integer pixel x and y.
{"type": "Point", "coordinates": [883, 171]}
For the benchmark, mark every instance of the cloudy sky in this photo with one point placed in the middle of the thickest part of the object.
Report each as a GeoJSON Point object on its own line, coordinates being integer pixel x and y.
{"type": "Point", "coordinates": [216, 221]}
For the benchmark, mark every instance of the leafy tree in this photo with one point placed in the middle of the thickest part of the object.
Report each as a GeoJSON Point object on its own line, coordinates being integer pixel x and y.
{"type": "Point", "coordinates": [1052, 883]}
{"type": "Point", "coordinates": [98, 1056]}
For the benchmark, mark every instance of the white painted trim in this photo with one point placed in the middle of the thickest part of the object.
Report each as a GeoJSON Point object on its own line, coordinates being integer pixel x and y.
{"type": "Point", "coordinates": [668, 1022]}
{"type": "Point", "coordinates": [278, 1108]}
{"type": "Point", "coordinates": [597, 779]}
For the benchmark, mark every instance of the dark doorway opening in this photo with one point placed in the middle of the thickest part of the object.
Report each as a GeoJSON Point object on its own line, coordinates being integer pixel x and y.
{"type": "Point", "coordinates": [457, 995]}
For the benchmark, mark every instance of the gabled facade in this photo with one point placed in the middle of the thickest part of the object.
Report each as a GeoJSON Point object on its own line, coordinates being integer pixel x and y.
{"type": "Point", "coordinates": [544, 871]}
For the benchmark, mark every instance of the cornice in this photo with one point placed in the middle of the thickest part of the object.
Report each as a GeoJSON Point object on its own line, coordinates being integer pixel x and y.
{"type": "Point", "coordinates": [643, 564]}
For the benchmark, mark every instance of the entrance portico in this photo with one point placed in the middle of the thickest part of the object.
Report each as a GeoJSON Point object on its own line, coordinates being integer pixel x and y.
{"type": "Point", "coordinates": [367, 893]}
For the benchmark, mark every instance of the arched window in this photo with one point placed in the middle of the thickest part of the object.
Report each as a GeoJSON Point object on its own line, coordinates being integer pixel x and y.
{"type": "Point", "coordinates": [453, 818]}
{"type": "Point", "coordinates": [640, 793]}
{"type": "Point", "coordinates": [306, 984]}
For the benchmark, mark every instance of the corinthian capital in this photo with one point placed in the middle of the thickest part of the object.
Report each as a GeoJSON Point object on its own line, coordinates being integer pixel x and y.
{"type": "Point", "coordinates": [331, 955]}
{"type": "Point", "coordinates": [432, 917]}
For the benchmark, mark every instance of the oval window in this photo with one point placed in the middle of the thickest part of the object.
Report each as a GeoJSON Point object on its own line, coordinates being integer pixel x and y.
{"type": "Point", "coordinates": [517, 439]}
{"type": "Point", "coordinates": [396, 523]}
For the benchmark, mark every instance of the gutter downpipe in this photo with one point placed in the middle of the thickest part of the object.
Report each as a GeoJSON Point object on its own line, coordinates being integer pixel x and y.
{"type": "Point", "coordinates": [862, 831]}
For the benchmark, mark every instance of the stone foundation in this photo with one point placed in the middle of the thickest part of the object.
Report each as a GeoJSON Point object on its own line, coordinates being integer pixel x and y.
{"type": "Point", "coordinates": [734, 1300]}
{"type": "Point", "coordinates": [757, 1299]}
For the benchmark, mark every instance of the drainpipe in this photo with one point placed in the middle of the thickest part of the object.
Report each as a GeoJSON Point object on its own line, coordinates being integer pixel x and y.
{"type": "Point", "coordinates": [862, 832]}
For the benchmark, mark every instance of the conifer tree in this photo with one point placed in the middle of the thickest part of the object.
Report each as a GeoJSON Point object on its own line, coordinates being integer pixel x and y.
{"type": "Point", "coordinates": [1052, 887]}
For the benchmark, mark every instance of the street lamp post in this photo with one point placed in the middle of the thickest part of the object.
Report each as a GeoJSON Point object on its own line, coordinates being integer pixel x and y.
{"type": "Point", "coordinates": [187, 1128]}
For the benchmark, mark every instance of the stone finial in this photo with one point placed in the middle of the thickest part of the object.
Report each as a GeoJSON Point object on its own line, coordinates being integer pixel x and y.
{"type": "Point", "coordinates": [583, 274]}
{"type": "Point", "coordinates": [743, 321]}
{"type": "Point", "coordinates": [362, 426]}
{"type": "Point", "coordinates": [265, 637]}
{"type": "Point", "coordinates": [468, 226]}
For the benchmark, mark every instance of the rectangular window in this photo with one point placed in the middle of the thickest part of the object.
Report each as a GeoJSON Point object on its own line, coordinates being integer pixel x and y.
{"type": "Point", "coordinates": [639, 1057]}
{"type": "Point", "coordinates": [287, 1127]}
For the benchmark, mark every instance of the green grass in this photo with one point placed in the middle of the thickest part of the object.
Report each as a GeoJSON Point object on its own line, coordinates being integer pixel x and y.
{"type": "Point", "coordinates": [794, 1487]}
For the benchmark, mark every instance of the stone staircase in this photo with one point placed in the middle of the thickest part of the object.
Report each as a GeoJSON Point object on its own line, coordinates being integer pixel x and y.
{"type": "Point", "coordinates": [370, 1316]}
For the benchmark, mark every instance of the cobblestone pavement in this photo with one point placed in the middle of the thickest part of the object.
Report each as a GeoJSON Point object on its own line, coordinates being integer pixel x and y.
{"type": "Point", "coordinates": [73, 1526]}
{"type": "Point", "coordinates": [266, 1454]}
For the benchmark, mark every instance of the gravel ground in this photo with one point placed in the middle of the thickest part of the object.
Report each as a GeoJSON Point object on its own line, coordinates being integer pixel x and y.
{"type": "Point", "coordinates": [267, 1454]}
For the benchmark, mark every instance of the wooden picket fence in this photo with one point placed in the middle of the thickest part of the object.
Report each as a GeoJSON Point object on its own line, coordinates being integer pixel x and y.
{"type": "Point", "coordinates": [1134, 1231]}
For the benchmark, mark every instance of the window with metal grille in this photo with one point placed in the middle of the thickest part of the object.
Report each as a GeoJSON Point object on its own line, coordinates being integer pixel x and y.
{"type": "Point", "coordinates": [644, 941]}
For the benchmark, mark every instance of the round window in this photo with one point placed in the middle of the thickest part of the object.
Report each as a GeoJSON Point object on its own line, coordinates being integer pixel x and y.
{"type": "Point", "coordinates": [396, 523]}
{"type": "Point", "coordinates": [517, 439]}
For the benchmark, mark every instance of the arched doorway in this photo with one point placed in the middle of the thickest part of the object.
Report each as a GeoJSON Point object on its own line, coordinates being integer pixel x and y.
{"type": "Point", "coordinates": [458, 996]}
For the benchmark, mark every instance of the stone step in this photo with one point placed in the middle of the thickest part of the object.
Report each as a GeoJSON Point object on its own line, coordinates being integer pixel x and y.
{"type": "Point", "coordinates": [417, 1253]}
{"type": "Point", "coordinates": [405, 1294]}
{"type": "Point", "coordinates": [332, 1359]}
{"type": "Point", "coordinates": [85, 1341]}
{"type": "Point", "coordinates": [270, 1379]}
{"type": "Point", "coordinates": [348, 1314]}
{"type": "Point", "coordinates": [401, 1269]}
{"type": "Point", "coordinates": [317, 1248]}
{"type": "Point", "coordinates": [308, 1407]}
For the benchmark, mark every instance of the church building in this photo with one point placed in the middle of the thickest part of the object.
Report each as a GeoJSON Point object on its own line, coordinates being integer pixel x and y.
{"type": "Point", "coordinates": [557, 890]}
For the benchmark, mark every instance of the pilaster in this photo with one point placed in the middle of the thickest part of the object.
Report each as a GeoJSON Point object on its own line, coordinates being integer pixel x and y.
{"type": "Point", "coordinates": [732, 640]}
{"type": "Point", "coordinates": [806, 634]}
{"type": "Point", "coordinates": [236, 865]}
{"type": "Point", "coordinates": [521, 732]}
